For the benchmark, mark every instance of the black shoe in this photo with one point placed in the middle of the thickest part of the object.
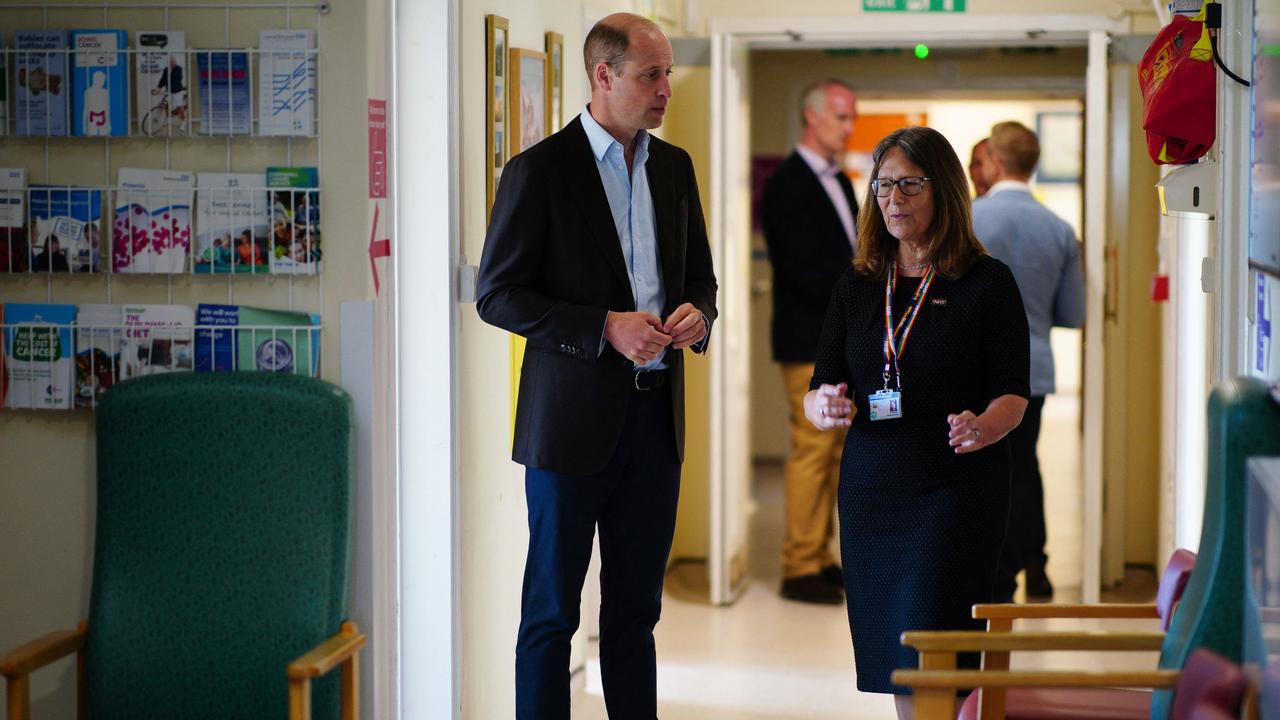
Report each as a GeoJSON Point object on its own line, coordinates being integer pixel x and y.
{"type": "Point", "coordinates": [833, 575]}
{"type": "Point", "coordinates": [1038, 585]}
{"type": "Point", "coordinates": [812, 589]}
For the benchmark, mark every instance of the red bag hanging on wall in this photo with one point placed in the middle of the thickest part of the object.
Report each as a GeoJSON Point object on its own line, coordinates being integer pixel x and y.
{"type": "Point", "coordinates": [1179, 96]}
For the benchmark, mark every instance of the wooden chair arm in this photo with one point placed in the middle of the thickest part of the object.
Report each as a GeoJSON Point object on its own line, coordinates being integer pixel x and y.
{"type": "Point", "coordinates": [328, 654]}
{"type": "Point", "coordinates": [1052, 610]}
{"type": "Point", "coordinates": [977, 640]}
{"type": "Point", "coordinates": [34, 655]}
{"type": "Point", "coordinates": [934, 690]}
{"type": "Point", "coordinates": [957, 679]}
{"type": "Point", "coordinates": [341, 649]}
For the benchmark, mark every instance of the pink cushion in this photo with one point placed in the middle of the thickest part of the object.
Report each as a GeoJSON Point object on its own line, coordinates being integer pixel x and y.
{"type": "Point", "coordinates": [1208, 711]}
{"type": "Point", "coordinates": [1067, 704]}
{"type": "Point", "coordinates": [1172, 584]}
{"type": "Point", "coordinates": [1208, 681]}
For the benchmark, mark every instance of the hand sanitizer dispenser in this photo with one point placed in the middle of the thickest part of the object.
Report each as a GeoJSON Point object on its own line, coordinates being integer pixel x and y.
{"type": "Point", "coordinates": [1190, 191]}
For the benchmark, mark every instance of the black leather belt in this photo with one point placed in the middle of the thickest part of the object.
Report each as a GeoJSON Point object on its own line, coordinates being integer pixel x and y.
{"type": "Point", "coordinates": [651, 379]}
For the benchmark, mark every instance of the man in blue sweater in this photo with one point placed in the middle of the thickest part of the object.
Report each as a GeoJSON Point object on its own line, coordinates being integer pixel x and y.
{"type": "Point", "coordinates": [1044, 255]}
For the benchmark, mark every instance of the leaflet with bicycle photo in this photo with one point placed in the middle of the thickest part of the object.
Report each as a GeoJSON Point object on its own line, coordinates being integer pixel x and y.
{"type": "Point", "coordinates": [161, 78]}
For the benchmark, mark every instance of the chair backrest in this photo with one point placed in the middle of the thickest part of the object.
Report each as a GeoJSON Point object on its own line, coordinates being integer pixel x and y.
{"type": "Point", "coordinates": [221, 543]}
{"type": "Point", "coordinates": [1173, 583]}
{"type": "Point", "coordinates": [1243, 421]}
{"type": "Point", "coordinates": [1208, 686]}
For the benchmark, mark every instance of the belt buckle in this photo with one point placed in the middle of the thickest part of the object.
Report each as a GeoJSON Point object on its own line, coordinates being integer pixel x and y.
{"type": "Point", "coordinates": [636, 380]}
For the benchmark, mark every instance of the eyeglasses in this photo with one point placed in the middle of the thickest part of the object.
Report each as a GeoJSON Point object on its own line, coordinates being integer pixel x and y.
{"type": "Point", "coordinates": [883, 187]}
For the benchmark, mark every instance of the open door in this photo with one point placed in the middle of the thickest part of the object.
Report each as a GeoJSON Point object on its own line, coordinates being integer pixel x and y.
{"type": "Point", "coordinates": [730, 351]}
{"type": "Point", "coordinates": [1097, 111]}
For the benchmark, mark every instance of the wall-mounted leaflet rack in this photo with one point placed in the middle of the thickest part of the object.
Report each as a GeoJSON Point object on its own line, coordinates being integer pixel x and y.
{"type": "Point", "coordinates": [220, 109]}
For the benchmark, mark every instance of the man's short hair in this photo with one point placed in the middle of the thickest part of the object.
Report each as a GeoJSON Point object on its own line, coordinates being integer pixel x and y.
{"type": "Point", "coordinates": [609, 44]}
{"type": "Point", "coordinates": [1016, 146]}
{"type": "Point", "coordinates": [815, 96]}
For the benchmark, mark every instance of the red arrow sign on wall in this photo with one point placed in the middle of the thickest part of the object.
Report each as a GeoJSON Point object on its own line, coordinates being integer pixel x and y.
{"type": "Point", "coordinates": [377, 249]}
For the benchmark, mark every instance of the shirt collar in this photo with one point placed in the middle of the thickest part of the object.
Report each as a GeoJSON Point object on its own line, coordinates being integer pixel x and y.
{"type": "Point", "coordinates": [1009, 185]}
{"type": "Point", "coordinates": [601, 140]}
{"type": "Point", "coordinates": [817, 163]}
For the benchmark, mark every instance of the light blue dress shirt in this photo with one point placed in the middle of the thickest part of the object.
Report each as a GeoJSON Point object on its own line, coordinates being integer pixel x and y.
{"type": "Point", "coordinates": [1041, 250]}
{"type": "Point", "coordinates": [633, 217]}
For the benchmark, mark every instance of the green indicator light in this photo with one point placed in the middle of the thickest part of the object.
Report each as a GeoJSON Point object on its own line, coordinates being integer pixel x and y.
{"type": "Point", "coordinates": [922, 51]}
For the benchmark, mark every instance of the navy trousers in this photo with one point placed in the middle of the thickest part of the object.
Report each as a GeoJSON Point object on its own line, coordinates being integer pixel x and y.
{"type": "Point", "coordinates": [1025, 538]}
{"type": "Point", "coordinates": [633, 502]}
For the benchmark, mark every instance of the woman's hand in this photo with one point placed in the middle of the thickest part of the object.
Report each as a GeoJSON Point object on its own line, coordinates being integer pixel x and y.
{"type": "Point", "coordinates": [966, 433]}
{"type": "Point", "coordinates": [828, 408]}
{"type": "Point", "coordinates": [970, 433]}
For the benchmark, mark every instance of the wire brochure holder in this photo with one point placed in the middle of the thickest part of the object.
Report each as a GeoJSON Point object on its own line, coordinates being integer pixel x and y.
{"type": "Point", "coordinates": [210, 147]}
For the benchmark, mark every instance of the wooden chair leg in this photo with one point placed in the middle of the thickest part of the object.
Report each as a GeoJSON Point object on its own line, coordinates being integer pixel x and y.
{"type": "Point", "coordinates": [991, 701]}
{"type": "Point", "coordinates": [83, 626]}
{"type": "Point", "coordinates": [936, 703]}
{"type": "Point", "coordinates": [351, 689]}
{"type": "Point", "coordinates": [299, 699]}
{"type": "Point", "coordinates": [19, 697]}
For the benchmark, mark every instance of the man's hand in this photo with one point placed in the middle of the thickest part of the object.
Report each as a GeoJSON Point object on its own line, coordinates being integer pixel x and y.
{"type": "Point", "coordinates": [685, 326]}
{"type": "Point", "coordinates": [637, 335]}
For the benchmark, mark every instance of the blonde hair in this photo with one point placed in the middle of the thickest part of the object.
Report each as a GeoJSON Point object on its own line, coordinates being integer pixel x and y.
{"type": "Point", "coordinates": [1016, 146]}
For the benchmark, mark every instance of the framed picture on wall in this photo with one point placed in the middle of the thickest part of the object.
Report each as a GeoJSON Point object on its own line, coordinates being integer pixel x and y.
{"type": "Point", "coordinates": [555, 82]}
{"type": "Point", "coordinates": [526, 98]}
{"type": "Point", "coordinates": [496, 34]}
{"type": "Point", "coordinates": [1061, 146]}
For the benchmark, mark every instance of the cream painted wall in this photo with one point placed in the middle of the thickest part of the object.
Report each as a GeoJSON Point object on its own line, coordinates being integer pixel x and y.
{"type": "Point", "coordinates": [47, 485]}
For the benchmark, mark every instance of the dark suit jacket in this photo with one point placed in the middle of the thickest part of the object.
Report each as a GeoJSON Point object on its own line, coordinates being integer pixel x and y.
{"type": "Point", "coordinates": [809, 251]}
{"type": "Point", "coordinates": [552, 268]}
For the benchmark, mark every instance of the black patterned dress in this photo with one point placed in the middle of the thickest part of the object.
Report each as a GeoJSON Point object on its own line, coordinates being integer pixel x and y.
{"type": "Point", "coordinates": [920, 526]}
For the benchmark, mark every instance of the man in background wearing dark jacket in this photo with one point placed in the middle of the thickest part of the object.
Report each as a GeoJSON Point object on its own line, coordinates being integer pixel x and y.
{"type": "Point", "coordinates": [810, 217]}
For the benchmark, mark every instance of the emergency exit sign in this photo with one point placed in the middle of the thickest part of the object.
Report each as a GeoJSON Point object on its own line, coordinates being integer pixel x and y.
{"type": "Point", "coordinates": [922, 6]}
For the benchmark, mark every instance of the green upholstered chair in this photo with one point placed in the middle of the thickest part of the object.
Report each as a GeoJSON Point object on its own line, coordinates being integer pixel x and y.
{"type": "Point", "coordinates": [221, 554]}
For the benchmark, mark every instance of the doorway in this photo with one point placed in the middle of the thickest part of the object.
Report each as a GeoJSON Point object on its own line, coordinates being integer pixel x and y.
{"type": "Point", "coordinates": [733, 45]}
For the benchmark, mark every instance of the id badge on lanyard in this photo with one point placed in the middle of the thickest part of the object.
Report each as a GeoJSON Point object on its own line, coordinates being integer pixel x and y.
{"type": "Point", "coordinates": [887, 403]}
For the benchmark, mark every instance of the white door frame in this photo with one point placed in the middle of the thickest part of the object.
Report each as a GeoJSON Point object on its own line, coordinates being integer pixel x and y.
{"type": "Point", "coordinates": [730, 176]}
{"type": "Point", "coordinates": [422, 404]}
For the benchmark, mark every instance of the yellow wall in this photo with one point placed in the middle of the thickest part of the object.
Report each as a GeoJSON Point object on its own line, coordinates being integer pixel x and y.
{"type": "Point", "coordinates": [47, 483]}
{"type": "Point", "coordinates": [689, 126]}
{"type": "Point", "coordinates": [1132, 336]}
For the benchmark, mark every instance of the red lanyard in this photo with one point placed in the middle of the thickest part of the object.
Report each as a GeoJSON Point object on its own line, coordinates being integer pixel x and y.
{"type": "Point", "coordinates": [895, 346]}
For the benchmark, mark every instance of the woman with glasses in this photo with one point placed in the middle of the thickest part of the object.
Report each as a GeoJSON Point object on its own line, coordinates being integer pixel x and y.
{"type": "Point", "coordinates": [924, 356]}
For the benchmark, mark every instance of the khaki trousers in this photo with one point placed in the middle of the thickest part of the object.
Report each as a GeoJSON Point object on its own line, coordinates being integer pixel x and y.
{"type": "Point", "coordinates": [811, 477]}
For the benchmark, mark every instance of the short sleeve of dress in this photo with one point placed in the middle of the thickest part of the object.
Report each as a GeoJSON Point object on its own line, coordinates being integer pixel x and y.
{"type": "Point", "coordinates": [831, 366]}
{"type": "Point", "coordinates": [1006, 342]}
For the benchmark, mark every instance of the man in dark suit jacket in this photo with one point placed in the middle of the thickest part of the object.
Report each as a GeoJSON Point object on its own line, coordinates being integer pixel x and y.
{"type": "Point", "coordinates": [597, 253]}
{"type": "Point", "coordinates": [810, 216]}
